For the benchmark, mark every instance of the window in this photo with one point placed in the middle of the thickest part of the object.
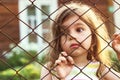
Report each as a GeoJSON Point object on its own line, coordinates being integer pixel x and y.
{"type": "Point", "coordinates": [46, 22]}
{"type": "Point", "coordinates": [34, 23]}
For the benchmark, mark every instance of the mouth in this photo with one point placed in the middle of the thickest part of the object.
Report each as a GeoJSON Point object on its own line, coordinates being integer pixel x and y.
{"type": "Point", "coordinates": [74, 45]}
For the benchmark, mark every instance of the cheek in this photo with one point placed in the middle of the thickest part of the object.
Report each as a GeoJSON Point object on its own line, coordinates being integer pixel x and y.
{"type": "Point", "coordinates": [87, 43]}
{"type": "Point", "coordinates": [63, 43]}
{"type": "Point", "coordinates": [64, 47]}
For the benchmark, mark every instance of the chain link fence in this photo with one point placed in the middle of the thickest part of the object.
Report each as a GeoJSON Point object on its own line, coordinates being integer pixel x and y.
{"type": "Point", "coordinates": [27, 34]}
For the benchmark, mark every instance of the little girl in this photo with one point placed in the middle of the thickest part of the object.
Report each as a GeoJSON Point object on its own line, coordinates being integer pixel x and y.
{"type": "Point", "coordinates": [79, 48]}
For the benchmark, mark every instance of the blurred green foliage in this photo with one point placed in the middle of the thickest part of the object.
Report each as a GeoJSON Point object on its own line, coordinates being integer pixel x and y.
{"type": "Point", "coordinates": [14, 59]}
{"type": "Point", "coordinates": [21, 65]}
{"type": "Point", "coordinates": [115, 61]}
{"type": "Point", "coordinates": [30, 72]}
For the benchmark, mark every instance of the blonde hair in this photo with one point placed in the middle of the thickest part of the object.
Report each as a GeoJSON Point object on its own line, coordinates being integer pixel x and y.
{"type": "Point", "coordinates": [90, 17]}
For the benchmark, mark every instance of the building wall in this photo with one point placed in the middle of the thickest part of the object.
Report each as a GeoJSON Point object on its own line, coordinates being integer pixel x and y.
{"type": "Point", "coordinates": [9, 29]}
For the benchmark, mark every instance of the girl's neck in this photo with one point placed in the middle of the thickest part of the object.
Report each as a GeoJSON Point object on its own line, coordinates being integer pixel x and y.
{"type": "Point", "coordinates": [81, 60]}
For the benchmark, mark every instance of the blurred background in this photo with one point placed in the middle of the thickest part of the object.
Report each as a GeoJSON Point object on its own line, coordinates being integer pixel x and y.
{"type": "Point", "coordinates": [25, 33]}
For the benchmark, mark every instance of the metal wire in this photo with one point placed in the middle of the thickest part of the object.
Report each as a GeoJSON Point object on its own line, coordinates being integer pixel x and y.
{"type": "Point", "coordinates": [33, 58]}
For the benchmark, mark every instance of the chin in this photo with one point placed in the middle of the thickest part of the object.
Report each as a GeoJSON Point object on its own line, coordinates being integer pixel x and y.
{"type": "Point", "coordinates": [75, 53]}
{"type": "Point", "coordinates": [78, 52]}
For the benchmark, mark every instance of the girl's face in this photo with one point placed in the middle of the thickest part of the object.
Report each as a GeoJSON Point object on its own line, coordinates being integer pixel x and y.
{"type": "Point", "coordinates": [76, 39]}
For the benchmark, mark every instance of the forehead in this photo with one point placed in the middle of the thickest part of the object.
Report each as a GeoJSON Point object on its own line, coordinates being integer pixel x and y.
{"type": "Point", "coordinates": [72, 20]}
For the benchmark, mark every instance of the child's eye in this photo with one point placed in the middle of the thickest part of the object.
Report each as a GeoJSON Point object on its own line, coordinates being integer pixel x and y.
{"type": "Point", "coordinates": [79, 29]}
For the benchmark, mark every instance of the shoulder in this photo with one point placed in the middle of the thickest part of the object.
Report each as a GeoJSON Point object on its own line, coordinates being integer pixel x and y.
{"type": "Point", "coordinates": [108, 73]}
{"type": "Point", "coordinates": [94, 64]}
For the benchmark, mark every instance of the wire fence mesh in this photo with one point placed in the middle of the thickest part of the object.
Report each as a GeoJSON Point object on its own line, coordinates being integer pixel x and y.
{"type": "Point", "coordinates": [19, 61]}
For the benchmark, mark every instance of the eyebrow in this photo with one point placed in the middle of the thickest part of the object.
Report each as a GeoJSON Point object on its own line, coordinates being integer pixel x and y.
{"type": "Point", "coordinates": [77, 24]}
{"type": "Point", "coordinates": [64, 27]}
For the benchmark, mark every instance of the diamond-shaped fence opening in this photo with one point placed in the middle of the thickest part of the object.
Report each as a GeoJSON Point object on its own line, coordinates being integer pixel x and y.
{"type": "Point", "coordinates": [27, 41]}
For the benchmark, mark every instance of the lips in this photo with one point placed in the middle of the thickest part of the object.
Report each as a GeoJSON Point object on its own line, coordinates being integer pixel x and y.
{"type": "Point", "coordinates": [74, 45]}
